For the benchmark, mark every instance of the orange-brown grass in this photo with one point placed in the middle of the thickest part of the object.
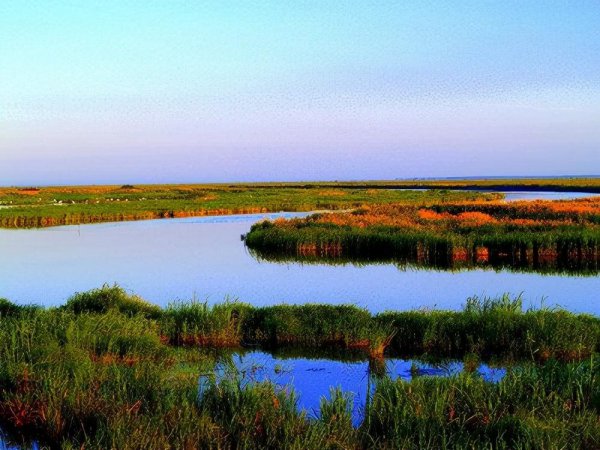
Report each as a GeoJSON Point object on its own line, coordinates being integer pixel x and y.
{"type": "Point", "coordinates": [333, 192]}
{"type": "Point", "coordinates": [474, 214]}
{"type": "Point", "coordinates": [542, 235]}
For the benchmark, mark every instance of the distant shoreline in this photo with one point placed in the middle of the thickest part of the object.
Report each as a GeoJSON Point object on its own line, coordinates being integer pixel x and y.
{"type": "Point", "coordinates": [588, 183]}
{"type": "Point", "coordinates": [509, 188]}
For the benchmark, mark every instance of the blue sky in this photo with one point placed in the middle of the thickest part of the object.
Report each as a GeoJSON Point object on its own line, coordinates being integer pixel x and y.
{"type": "Point", "coordinates": [182, 91]}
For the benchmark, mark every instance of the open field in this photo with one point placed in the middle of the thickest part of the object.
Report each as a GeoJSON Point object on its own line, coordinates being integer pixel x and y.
{"type": "Point", "coordinates": [51, 206]}
{"type": "Point", "coordinates": [108, 370]}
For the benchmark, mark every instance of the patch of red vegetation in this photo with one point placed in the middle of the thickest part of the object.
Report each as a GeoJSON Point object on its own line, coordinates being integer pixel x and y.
{"type": "Point", "coordinates": [482, 255]}
{"type": "Point", "coordinates": [460, 254]}
{"type": "Point", "coordinates": [203, 340]}
{"type": "Point", "coordinates": [359, 344]}
{"type": "Point", "coordinates": [28, 191]}
{"type": "Point", "coordinates": [18, 412]}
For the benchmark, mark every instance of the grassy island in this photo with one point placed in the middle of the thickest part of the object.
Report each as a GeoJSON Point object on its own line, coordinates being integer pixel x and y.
{"type": "Point", "coordinates": [534, 235]}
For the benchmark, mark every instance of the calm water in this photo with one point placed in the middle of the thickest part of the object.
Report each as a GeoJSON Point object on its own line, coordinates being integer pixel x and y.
{"type": "Point", "coordinates": [169, 259]}
{"type": "Point", "coordinates": [526, 195]}
{"type": "Point", "coordinates": [7, 444]}
{"type": "Point", "coordinates": [312, 378]}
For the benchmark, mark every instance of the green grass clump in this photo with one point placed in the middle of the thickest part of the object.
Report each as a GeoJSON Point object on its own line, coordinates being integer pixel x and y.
{"type": "Point", "coordinates": [197, 323]}
{"type": "Point", "coordinates": [316, 325]}
{"type": "Point", "coordinates": [540, 236]}
{"type": "Point", "coordinates": [256, 416]}
{"type": "Point", "coordinates": [8, 309]}
{"type": "Point", "coordinates": [493, 327]}
{"type": "Point", "coordinates": [109, 298]}
{"type": "Point", "coordinates": [66, 375]}
{"type": "Point", "coordinates": [485, 327]}
{"type": "Point", "coordinates": [575, 248]}
{"type": "Point", "coordinates": [549, 406]}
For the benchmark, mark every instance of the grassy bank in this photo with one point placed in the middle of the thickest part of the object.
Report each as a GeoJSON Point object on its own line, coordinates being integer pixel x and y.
{"type": "Point", "coordinates": [542, 235]}
{"type": "Point", "coordinates": [486, 327]}
{"type": "Point", "coordinates": [52, 206]}
{"type": "Point", "coordinates": [109, 370]}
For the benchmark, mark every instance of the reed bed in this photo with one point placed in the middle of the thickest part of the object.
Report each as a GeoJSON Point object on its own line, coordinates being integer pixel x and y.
{"type": "Point", "coordinates": [562, 236]}
{"type": "Point", "coordinates": [466, 412]}
{"type": "Point", "coordinates": [109, 370]}
{"type": "Point", "coordinates": [487, 327]}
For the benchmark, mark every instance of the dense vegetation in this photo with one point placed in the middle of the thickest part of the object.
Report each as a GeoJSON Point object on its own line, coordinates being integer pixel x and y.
{"type": "Point", "coordinates": [499, 327]}
{"type": "Point", "coordinates": [108, 370]}
{"type": "Point", "coordinates": [50, 206]}
{"type": "Point", "coordinates": [540, 235]}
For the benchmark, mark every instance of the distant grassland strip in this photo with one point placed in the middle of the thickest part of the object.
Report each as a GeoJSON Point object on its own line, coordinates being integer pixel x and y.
{"type": "Point", "coordinates": [589, 184]}
{"type": "Point", "coordinates": [566, 184]}
{"type": "Point", "coordinates": [52, 206]}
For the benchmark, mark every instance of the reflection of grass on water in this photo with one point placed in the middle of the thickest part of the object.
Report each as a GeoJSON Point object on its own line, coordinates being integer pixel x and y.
{"type": "Point", "coordinates": [583, 269]}
{"type": "Point", "coordinates": [107, 370]}
{"type": "Point", "coordinates": [532, 407]}
{"type": "Point", "coordinates": [291, 352]}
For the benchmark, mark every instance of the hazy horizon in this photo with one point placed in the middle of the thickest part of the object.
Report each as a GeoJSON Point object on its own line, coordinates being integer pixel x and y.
{"type": "Point", "coordinates": [348, 180]}
{"type": "Point", "coordinates": [115, 92]}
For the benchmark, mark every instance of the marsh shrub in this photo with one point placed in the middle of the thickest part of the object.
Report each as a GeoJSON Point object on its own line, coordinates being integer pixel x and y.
{"type": "Point", "coordinates": [109, 298]}
{"type": "Point", "coordinates": [308, 325]}
{"type": "Point", "coordinates": [8, 309]}
{"type": "Point", "coordinates": [200, 323]}
{"type": "Point", "coordinates": [494, 327]}
{"type": "Point", "coordinates": [549, 406]}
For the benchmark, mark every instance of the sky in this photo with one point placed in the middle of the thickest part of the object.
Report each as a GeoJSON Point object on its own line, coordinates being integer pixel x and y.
{"type": "Point", "coordinates": [148, 91]}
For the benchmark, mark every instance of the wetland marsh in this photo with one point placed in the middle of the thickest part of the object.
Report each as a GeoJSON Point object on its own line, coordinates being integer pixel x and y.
{"type": "Point", "coordinates": [308, 349]}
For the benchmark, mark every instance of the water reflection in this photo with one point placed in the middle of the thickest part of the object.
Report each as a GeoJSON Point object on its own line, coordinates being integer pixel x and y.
{"type": "Point", "coordinates": [9, 443]}
{"type": "Point", "coordinates": [558, 260]}
{"type": "Point", "coordinates": [312, 375]}
{"type": "Point", "coordinates": [516, 196]}
{"type": "Point", "coordinates": [534, 195]}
